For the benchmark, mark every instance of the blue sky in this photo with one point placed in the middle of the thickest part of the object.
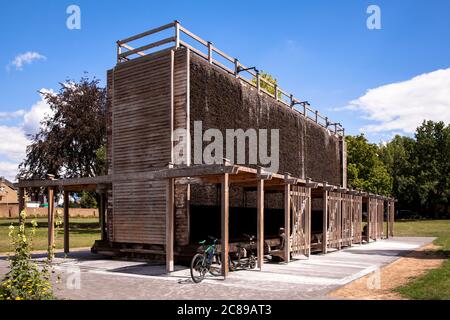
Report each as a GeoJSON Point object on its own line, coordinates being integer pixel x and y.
{"type": "Point", "coordinates": [321, 51]}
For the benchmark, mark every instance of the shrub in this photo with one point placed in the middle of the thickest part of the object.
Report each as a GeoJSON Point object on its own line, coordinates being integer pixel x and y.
{"type": "Point", "coordinates": [25, 280]}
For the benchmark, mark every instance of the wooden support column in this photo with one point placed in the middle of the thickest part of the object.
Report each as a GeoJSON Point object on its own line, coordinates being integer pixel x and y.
{"type": "Point", "coordinates": [369, 219]}
{"type": "Point", "coordinates": [225, 223]}
{"type": "Point", "coordinates": [66, 222]}
{"type": "Point", "coordinates": [325, 222]}
{"type": "Point", "coordinates": [309, 223]}
{"type": "Point", "coordinates": [388, 215]}
{"type": "Point", "coordinates": [51, 219]}
{"type": "Point", "coordinates": [392, 217]}
{"type": "Point", "coordinates": [21, 199]}
{"type": "Point", "coordinates": [170, 226]}
{"type": "Point", "coordinates": [375, 222]}
{"type": "Point", "coordinates": [339, 221]}
{"type": "Point", "coordinates": [102, 215]}
{"type": "Point", "coordinates": [287, 222]}
{"type": "Point", "coordinates": [260, 222]}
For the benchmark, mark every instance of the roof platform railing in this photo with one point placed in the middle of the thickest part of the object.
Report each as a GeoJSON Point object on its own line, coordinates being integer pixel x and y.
{"type": "Point", "coordinates": [181, 37]}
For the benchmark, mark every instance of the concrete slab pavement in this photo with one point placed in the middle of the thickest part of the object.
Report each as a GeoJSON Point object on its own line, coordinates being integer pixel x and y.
{"type": "Point", "coordinates": [87, 276]}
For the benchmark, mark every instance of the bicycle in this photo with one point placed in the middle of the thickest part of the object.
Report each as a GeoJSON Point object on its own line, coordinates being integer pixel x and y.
{"type": "Point", "coordinates": [246, 257]}
{"type": "Point", "coordinates": [202, 262]}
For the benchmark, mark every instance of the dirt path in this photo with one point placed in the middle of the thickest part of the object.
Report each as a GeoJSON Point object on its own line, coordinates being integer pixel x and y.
{"type": "Point", "coordinates": [379, 285]}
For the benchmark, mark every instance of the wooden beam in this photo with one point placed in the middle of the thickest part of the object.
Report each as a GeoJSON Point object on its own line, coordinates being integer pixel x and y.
{"type": "Point", "coordinates": [51, 221]}
{"type": "Point", "coordinates": [287, 222]}
{"type": "Point", "coordinates": [325, 222]}
{"type": "Point", "coordinates": [225, 223]}
{"type": "Point", "coordinates": [66, 222]}
{"type": "Point", "coordinates": [170, 226]}
{"type": "Point", "coordinates": [65, 182]}
{"type": "Point", "coordinates": [260, 222]}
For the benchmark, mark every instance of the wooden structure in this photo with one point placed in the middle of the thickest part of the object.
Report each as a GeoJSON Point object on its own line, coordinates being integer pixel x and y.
{"type": "Point", "coordinates": [148, 204]}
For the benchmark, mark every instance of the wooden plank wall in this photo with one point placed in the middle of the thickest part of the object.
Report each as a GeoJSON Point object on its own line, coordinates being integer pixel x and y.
{"type": "Point", "coordinates": [141, 123]}
{"type": "Point", "coordinates": [372, 218]}
{"type": "Point", "coordinates": [301, 214]}
{"type": "Point", "coordinates": [334, 220]}
{"type": "Point", "coordinates": [109, 102]}
{"type": "Point", "coordinates": [357, 219]}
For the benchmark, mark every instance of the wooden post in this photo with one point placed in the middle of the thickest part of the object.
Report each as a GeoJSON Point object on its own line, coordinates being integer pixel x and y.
{"type": "Point", "coordinates": [287, 221]}
{"type": "Point", "coordinates": [177, 34]}
{"type": "Point", "coordinates": [325, 222]}
{"type": "Point", "coordinates": [102, 215]}
{"type": "Point", "coordinates": [392, 217]}
{"type": "Point", "coordinates": [317, 116]}
{"type": "Point", "coordinates": [309, 223]}
{"type": "Point", "coordinates": [369, 223]}
{"type": "Point", "coordinates": [170, 225]}
{"type": "Point", "coordinates": [260, 222]}
{"type": "Point", "coordinates": [51, 219]}
{"type": "Point", "coordinates": [66, 222]}
{"type": "Point", "coordinates": [210, 52]}
{"type": "Point", "coordinates": [275, 91]}
{"type": "Point", "coordinates": [339, 221]}
{"type": "Point", "coordinates": [236, 68]}
{"type": "Point", "coordinates": [119, 52]}
{"type": "Point", "coordinates": [21, 199]}
{"type": "Point", "coordinates": [224, 223]}
{"type": "Point", "coordinates": [388, 206]}
{"type": "Point", "coordinates": [375, 222]}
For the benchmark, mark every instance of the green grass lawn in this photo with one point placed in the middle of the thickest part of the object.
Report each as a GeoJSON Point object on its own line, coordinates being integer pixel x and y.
{"type": "Point", "coordinates": [83, 233]}
{"type": "Point", "coordinates": [435, 285]}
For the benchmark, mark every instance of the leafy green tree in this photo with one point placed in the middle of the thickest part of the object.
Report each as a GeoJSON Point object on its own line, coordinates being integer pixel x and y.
{"type": "Point", "coordinates": [88, 200]}
{"type": "Point", "coordinates": [70, 141]}
{"type": "Point", "coordinates": [433, 168]}
{"type": "Point", "coordinates": [366, 171]}
{"type": "Point", "coordinates": [399, 157]}
{"type": "Point", "coordinates": [266, 86]}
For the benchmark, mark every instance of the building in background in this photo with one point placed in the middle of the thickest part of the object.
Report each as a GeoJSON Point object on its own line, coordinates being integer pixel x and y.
{"type": "Point", "coordinates": [8, 199]}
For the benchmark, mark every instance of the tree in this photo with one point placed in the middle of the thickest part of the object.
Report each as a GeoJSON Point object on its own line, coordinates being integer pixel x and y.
{"type": "Point", "coordinates": [399, 157]}
{"type": "Point", "coordinates": [433, 167]}
{"type": "Point", "coordinates": [266, 86]}
{"type": "Point", "coordinates": [71, 141]}
{"type": "Point", "coordinates": [366, 171]}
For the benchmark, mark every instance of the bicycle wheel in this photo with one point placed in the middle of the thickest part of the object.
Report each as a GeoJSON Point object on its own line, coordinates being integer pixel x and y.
{"type": "Point", "coordinates": [198, 268]}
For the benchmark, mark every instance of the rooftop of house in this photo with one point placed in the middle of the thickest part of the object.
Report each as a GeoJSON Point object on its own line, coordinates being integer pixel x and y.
{"type": "Point", "coordinates": [6, 182]}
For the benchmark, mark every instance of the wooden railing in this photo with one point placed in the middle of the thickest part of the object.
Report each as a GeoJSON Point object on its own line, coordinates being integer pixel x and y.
{"type": "Point", "coordinates": [209, 52]}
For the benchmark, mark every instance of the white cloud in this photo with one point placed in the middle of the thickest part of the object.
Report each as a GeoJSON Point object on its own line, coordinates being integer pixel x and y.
{"type": "Point", "coordinates": [12, 143]}
{"type": "Point", "coordinates": [11, 115]}
{"type": "Point", "coordinates": [8, 170]}
{"type": "Point", "coordinates": [35, 115]}
{"type": "Point", "coordinates": [25, 58]}
{"type": "Point", "coordinates": [14, 140]}
{"type": "Point", "coordinates": [402, 106]}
